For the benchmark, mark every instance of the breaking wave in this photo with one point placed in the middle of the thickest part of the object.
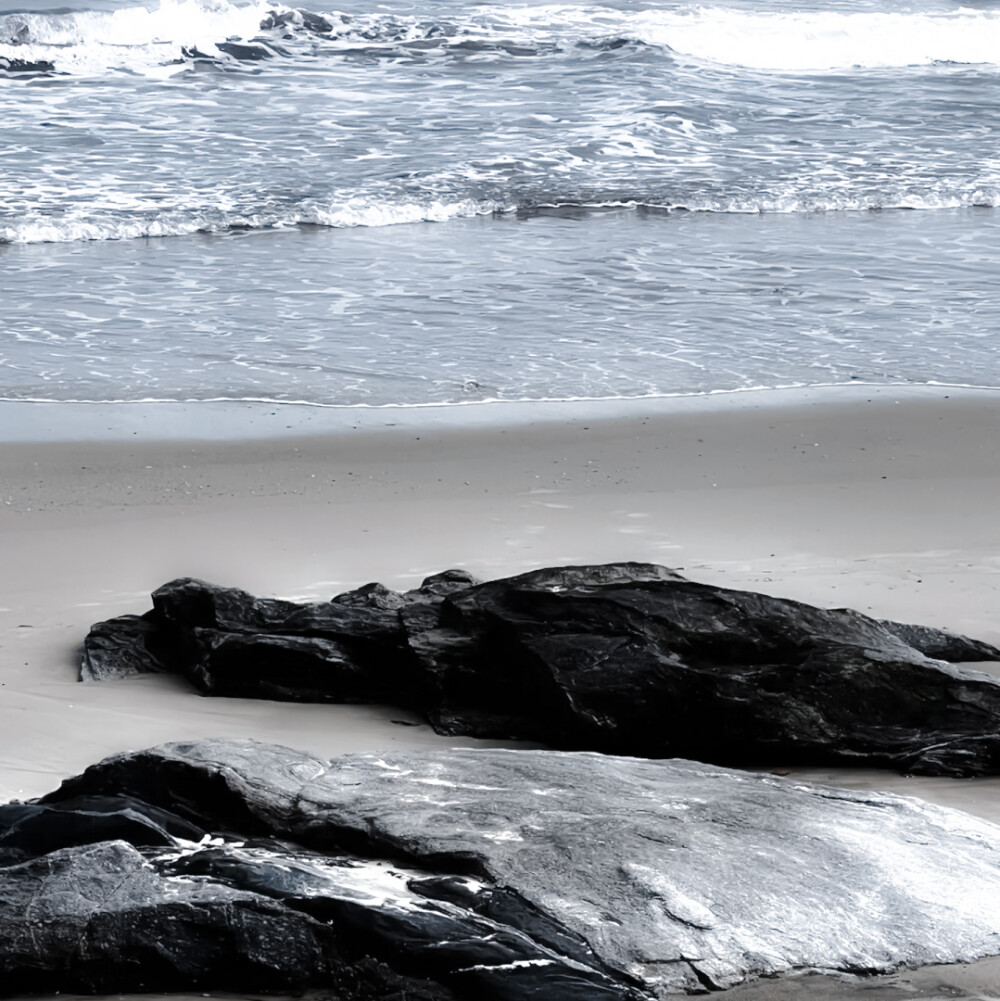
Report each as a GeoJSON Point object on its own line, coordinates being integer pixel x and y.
{"type": "Point", "coordinates": [365, 213]}
{"type": "Point", "coordinates": [824, 40]}
{"type": "Point", "coordinates": [168, 38]}
{"type": "Point", "coordinates": [209, 116]}
{"type": "Point", "coordinates": [357, 213]}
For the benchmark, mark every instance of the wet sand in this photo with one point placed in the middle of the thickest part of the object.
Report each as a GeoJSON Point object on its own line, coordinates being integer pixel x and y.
{"type": "Point", "coordinates": [883, 500]}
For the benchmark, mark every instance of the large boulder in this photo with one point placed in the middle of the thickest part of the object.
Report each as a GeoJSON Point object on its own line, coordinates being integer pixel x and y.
{"type": "Point", "coordinates": [485, 874]}
{"type": "Point", "coordinates": [624, 658]}
{"type": "Point", "coordinates": [99, 918]}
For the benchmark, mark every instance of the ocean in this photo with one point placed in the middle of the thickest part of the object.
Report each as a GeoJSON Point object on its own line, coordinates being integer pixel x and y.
{"type": "Point", "coordinates": [441, 202]}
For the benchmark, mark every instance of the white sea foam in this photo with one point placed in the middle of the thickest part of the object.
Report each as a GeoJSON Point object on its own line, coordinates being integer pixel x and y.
{"type": "Point", "coordinates": [146, 41]}
{"type": "Point", "coordinates": [136, 39]}
{"type": "Point", "coordinates": [785, 40]}
{"type": "Point", "coordinates": [214, 152]}
{"type": "Point", "coordinates": [347, 213]}
{"type": "Point", "coordinates": [364, 211]}
{"type": "Point", "coordinates": [823, 40]}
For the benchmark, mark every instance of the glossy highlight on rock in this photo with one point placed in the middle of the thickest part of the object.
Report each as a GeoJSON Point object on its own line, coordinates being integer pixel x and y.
{"type": "Point", "coordinates": [493, 874]}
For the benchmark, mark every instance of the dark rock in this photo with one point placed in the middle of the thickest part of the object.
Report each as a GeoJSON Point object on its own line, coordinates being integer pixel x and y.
{"type": "Point", "coordinates": [194, 604]}
{"type": "Point", "coordinates": [622, 658]}
{"type": "Point", "coordinates": [489, 874]}
{"type": "Point", "coordinates": [122, 647]}
{"type": "Point", "coordinates": [379, 908]}
{"type": "Point", "coordinates": [101, 919]}
{"type": "Point", "coordinates": [440, 585]}
{"type": "Point", "coordinates": [276, 19]}
{"type": "Point", "coordinates": [939, 645]}
{"type": "Point", "coordinates": [314, 23]}
{"type": "Point", "coordinates": [193, 52]}
{"type": "Point", "coordinates": [34, 828]}
{"type": "Point", "coordinates": [245, 52]}
{"type": "Point", "coordinates": [371, 596]}
{"type": "Point", "coordinates": [25, 65]}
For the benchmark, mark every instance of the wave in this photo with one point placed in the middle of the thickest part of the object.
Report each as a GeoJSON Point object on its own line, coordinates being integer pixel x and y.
{"type": "Point", "coordinates": [363, 212]}
{"type": "Point", "coordinates": [349, 214]}
{"type": "Point", "coordinates": [137, 39]}
{"type": "Point", "coordinates": [167, 39]}
{"type": "Point", "coordinates": [824, 40]}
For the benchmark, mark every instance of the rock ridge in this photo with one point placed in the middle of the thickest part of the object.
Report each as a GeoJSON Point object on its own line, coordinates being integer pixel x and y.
{"type": "Point", "coordinates": [626, 658]}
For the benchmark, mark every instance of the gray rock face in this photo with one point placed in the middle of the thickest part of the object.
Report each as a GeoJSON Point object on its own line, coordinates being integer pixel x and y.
{"type": "Point", "coordinates": [67, 915]}
{"type": "Point", "coordinates": [624, 658]}
{"type": "Point", "coordinates": [490, 874]}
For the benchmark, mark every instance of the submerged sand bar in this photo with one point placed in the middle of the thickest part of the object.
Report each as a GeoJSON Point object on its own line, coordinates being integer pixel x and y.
{"type": "Point", "coordinates": [884, 499]}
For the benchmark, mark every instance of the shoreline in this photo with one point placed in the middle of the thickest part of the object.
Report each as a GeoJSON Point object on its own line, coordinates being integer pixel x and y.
{"type": "Point", "coordinates": [250, 420]}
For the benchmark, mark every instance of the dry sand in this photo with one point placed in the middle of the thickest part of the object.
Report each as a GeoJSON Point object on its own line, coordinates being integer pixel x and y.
{"type": "Point", "coordinates": [884, 500]}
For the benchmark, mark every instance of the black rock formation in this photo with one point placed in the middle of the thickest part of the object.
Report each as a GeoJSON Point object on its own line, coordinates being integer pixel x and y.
{"type": "Point", "coordinates": [245, 52]}
{"type": "Point", "coordinates": [477, 875]}
{"type": "Point", "coordinates": [316, 24]}
{"type": "Point", "coordinates": [35, 66]}
{"type": "Point", "coordinates": [102, 918]}
{"type": "Point", "coordinates": [623, 658]}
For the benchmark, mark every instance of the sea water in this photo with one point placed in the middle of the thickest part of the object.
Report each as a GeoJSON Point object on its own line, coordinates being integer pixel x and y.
{"type": "Point", "coordinates": [442, 201]}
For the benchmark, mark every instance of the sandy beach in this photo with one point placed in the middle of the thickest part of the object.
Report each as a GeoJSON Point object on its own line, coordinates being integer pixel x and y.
{"type": "Point", "coordinates": [882, 499]}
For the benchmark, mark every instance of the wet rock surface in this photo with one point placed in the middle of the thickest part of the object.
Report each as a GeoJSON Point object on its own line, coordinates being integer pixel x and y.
{"type": "Point", "coordinates": [32, 66]}
{"type": "Point", "coordinates": [476, 874]}
{"type": "Point", "coordinates": [622, 658]}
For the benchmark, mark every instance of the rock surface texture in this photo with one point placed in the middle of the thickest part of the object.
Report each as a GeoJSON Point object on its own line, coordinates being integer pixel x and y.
{"type": "Point", "coordinates": [475, 874]}
{"type": "Point", "coordinates": [623, 658]}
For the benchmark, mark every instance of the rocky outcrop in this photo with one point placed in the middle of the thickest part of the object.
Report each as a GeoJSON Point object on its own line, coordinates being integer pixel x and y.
{"type": "Point", "coordinates": [37, 66]}
{"type": "Point", "coordinates": [475, 874]}
{"type": "Point", "coordinates": [623, 658]}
